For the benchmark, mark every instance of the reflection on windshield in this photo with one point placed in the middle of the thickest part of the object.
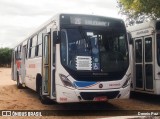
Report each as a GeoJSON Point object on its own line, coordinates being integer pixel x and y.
{"type": "Point", "coordinates": [94, 50]}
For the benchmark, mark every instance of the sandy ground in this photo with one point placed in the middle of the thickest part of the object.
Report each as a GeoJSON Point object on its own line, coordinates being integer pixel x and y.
{"type": "Point", "coordinates": [5, 77]}
{"type": "Point", "coordinates": [12, 98]}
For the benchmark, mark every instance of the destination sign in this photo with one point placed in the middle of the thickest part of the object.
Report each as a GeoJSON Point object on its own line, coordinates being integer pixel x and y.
{"type": "Point", "coordinates": [91, 20]}
{"type": "Point", "coordinates": [88, 21]}
{"type": "Point", "coordinates": [144, 32]}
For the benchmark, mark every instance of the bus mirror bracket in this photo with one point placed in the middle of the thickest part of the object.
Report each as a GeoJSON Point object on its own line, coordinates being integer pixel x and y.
{"type": "Point", "coordinates": [56, 37]}
{"type": "Point", "coordinates": [129, 36]}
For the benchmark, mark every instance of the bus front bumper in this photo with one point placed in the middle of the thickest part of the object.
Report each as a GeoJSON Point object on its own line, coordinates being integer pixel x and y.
{"type": "Point", "coordinates": [67, 95]}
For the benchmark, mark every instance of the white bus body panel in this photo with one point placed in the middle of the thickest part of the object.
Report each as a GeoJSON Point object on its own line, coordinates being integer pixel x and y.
{"type": "Point", "coordinates": [33, 67]}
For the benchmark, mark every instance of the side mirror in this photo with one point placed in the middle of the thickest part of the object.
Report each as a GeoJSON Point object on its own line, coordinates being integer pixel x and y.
{"type": "Point", "coordinates": [129, 37]}
{"type": "Point", "coordinates": [56, 37]}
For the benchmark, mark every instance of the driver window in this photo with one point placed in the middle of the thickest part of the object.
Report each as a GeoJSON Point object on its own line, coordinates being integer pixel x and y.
{"type": "Point", "coordinates": [64, 47]}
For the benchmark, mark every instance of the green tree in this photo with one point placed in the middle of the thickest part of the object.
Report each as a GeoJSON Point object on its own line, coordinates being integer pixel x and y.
{"type": "Point", "coordinates": [138, 11]}
{"type": "Point", "coordinates": [5, 56]}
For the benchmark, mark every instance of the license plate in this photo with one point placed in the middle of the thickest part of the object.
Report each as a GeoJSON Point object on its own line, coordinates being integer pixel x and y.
{"type": "Point", "coordinates": [103, 98]}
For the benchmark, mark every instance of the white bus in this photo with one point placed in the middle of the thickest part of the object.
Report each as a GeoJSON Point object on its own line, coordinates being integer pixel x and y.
{"type": "Point", "coordinates": [146, 57]}
{"type": "Point", "coordinates": [75, 58]}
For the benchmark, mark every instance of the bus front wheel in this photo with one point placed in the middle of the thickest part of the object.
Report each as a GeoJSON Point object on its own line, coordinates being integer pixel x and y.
{"type": "Point", "coordinates": [43, 99]}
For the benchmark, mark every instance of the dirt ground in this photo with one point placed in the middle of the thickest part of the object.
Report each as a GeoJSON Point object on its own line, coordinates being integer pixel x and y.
{"type": "Point", "coordinates": [12, 98]}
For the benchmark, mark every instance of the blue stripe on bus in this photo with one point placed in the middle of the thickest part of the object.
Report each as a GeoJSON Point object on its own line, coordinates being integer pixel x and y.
{"type": "Point", "coordinates": [82, 84]}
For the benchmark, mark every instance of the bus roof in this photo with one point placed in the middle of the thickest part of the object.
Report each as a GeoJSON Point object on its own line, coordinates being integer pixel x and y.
{"type": "Point", "coordinates": [146, 28]}
{"type": "Point", "coordinates": [55, 19]}
{"type": "Point", "coordinates": [145, 25]}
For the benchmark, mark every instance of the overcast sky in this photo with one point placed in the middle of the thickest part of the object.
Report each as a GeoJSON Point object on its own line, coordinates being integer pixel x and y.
{"type": "Point", "coordinates": [18, 18]}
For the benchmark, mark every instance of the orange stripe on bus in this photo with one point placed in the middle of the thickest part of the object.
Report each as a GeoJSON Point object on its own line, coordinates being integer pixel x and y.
{"type": "Point", "coordinates": [18, 63]}
{"type": "Point", "coordinates": [32, 66]}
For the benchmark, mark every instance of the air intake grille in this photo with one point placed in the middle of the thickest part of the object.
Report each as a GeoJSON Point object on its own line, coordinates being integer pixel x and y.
{"type": "Point", "coordinates": [92, 95]}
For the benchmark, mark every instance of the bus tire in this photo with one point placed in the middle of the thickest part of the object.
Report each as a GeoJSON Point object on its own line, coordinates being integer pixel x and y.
{"type": "Point", "coordinates": [19, 85]}
{"type": "Point", "coordinates": [42, 98]}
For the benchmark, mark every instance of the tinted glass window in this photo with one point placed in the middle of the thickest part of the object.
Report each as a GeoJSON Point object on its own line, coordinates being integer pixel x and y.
{"type": "Point", "coordinates": [138, 50]}
{"type": "Point", "coordinates": [148, 49]}
{"type": "Point", "coordinates": [158, 49]}
{"type": "Point", "coordinates": [94, 50]}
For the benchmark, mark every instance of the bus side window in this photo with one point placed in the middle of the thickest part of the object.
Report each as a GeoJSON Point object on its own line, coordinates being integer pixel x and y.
{"type": "Point", "coordinates": [39, 50]}
{"type": "Point", "coordinates": [30, 48]}
{"type": "Point", "coordinates": [36, 50]}
{"type": "Point", "coordinates": [34, 44]}
{"type": "Point", "coordinates": [32, 52]}
{"type": "Point", "coordinates": [158, 49]}
{"type": "Point", "coordinates": [39, 45]}
{"type": "Point", "coordinates": [27, 49]}
{"type": "Point", "coordinates": [18, 53]}
{"type": "Point", "coordinates": [15, 53]}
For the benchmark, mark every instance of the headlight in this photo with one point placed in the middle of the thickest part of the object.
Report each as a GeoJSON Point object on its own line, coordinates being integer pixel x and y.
{"type": "Point", "coordinates": [126, 83]}
{"type": "Point", "coordinates": [66, 81]}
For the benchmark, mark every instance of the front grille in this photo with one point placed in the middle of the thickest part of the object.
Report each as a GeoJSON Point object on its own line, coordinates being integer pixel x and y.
{"type": "Point", "coordinates": [92, 95]}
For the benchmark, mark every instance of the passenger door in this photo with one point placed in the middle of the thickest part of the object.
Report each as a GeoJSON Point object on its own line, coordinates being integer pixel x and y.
{"type": "Point", "coordinates": [46, 64]}
{"type": "Point", "coordinates": [143, 66]}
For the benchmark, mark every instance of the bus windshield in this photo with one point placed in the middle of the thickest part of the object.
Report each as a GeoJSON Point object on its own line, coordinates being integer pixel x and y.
{"type": "Point", "coordinates": [94, 50]}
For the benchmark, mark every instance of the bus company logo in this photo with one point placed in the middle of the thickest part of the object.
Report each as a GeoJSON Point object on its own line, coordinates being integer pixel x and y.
{"type": "Point", "coordinates": [100, 85]}
{"type": "Point", "coordinates": [6, 113]}
{"type": "Point", "coordinates": [112, 85]}
{"type": "Point", "coordinates": [21, 113]}
{"type": "Point", "coordinates": [32, 66]}
{"type": "Point", "coordinates": [63, 99]}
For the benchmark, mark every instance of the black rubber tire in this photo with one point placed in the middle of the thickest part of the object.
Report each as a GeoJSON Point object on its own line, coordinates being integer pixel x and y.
{"type": "Point", "coordinates": [42, 98]}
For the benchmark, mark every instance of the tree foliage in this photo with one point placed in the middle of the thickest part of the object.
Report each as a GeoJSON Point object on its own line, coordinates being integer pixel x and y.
{"type": "Point", "coordinates": [5, 56]}
{"type": "Point", "coordinates": [138, 11]}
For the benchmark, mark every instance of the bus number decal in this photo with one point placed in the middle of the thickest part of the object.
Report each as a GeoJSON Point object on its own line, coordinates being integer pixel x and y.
{"type": "Point", "coordinates": [32, 66]}
{"type": "Point", "coordinates": [63, 99]}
